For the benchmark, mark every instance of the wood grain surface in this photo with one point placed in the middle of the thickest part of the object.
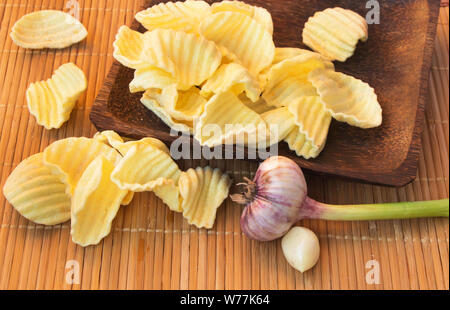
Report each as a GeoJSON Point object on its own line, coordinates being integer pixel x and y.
{"type": "Point", "coordinates": [395, 61]}
{"type": "Point", "coordinates": [153, 248]}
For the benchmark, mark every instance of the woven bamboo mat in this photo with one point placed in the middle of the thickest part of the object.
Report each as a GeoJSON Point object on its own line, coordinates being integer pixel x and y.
{"type": "Point", "coordinates": [152, 248]}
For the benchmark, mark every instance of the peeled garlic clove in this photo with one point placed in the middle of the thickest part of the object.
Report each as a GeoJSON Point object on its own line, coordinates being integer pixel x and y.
{"type": "Point", "coordinates": [301, 248]}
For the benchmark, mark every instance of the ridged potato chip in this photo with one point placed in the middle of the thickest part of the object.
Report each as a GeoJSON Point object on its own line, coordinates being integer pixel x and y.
{"type": "Point", "coordinates": [243, 36]}
{"type": "Point", "coordinates": [203, 190]}
{"type": "Point", "coordinates": [259, 106]}
{"type": "Point", "coordinates": [125, 147]}
{"type": "Point", "coordinates": [37, 192]}
{"type": "Point", "coordinates": [335, 32]}
{"type": "Point", "coordinates": [189, 105]}
{"type": "Point", "coordinates": [71, 156]}
{"type": "Point", "coordinates": [110, 138]}
{"type": "Point", "coordinates": [288, 80]}
{"type": "Point", "coordinates": [151, 77]}
{"type": "Point", "coordinates": [283, 53]}
{"type": "Point", "coordinates": [151, 100]}
{"type": "Point", "coordinates": [189, 58]}
{"type": "Point", "coordinates": [280, 123]}
{"type": "Point", "coordinates": [348, 99]}
{"type": "Point", "coordinates": [313, 120]}
{"type": "Point", "coordinates": [232, 77]}
{"type": "Point", "coordinates": [226, 118]}
{"type": "Point", "coordinates": [147, 168]}
{"type": "Point", "coordinates": [144, 167]}
{"type": "Point", "coordinates": [298, 143]}
{"type": "Point", "coordinates": [181, 16]}
{"type": "Point", "coordinates": [47, 29]}
{"type": "Point", "coordinates": [128, 48]}
{"type": "Point", "coordinates": [95, 203]}
{"type": "Point", "coordinates": [259, 14]}
{"type": "Point", "coordinates": [52, 101]}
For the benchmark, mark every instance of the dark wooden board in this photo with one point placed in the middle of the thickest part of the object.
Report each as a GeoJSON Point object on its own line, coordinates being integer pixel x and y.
{"type": "Point", "coordinates": [395, 61]}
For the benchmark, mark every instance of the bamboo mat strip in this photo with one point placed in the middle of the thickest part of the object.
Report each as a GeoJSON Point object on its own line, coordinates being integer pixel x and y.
{"type": "Point", "coordinates": [153, 248]}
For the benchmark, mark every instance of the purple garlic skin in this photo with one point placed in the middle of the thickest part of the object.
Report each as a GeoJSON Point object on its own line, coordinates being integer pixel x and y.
{"type": "Point", "coordinates": [275, 198]}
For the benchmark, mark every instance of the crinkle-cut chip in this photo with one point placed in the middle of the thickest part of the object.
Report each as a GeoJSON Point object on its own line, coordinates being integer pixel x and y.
{"type": "Point", "coordinates": [312, 119]}
{"type": "Point", "coordinates": [259, 106]}
{"type": "Point", "coordinates": [181, 16]}
{"type": "Point", "coordinates": [203, 190]}
{"type": "Point", "coordinates": [110, 138]}
{"type": "Point", "coordinates": [170, 195]}
{"type": "Point", "coordinates": [189, 105]}
{"type": "Point", "coordinates": [71, 156]}
{"type": "Point", "coordinates": [227, 56]}
{"type": "Point", "coordinates": [127, 199]}
{"type": "Point", "coordinates": [151, 100]}
{"type": "Point", "coordinates": [47, 29]}
{"type": "Point", "coordinates": [145, 167]}
{"type": "Point", "coordinates": [95, 203]}
{"type": "Point", "coordinates": [189, 58]}
{"type": "Point", "coordinates": [226, 120]}
{"type": "Point", "coordinates": [335, 32]}
{"type": "Point", "coordinates": [280, 123]}
{"type": "Point", "coordinates": [128, 48]}
{"type": "Point", "coordinates": [52, 101]}
{"type": "Point", "coordinates": [283, 53]}
{"type": "Point", "coordinates": [288, 80]}
{"type": "Point", "coordinates": [37, 192]}
{"type": "Point", "coordinates": [150, 77]}
{"type": "Point", "coordinates": [232, 77]}
{"type": "Point", "coordinates": [259, 14]}
{"type": "Point", "coordinates": [298, 143]}
{"type": "Point", "coordinates": [348, 99]}
{"type": "Point", "coordinates": [125, 147]}
{"type": "Point", "coordinates": [243, 36]}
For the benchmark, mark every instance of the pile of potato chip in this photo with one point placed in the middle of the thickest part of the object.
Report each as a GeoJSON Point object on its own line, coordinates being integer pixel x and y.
{"type": "Point", "coordinates": [201, 65]}
{"type": "Point", "coordinates": [86, 180]}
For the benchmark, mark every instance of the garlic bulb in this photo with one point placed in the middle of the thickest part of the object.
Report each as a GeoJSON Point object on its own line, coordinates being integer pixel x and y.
{"type": "Point", "coordinates": [301, 248]}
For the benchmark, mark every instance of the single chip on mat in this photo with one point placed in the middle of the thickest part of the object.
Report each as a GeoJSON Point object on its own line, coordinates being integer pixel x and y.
{"type": "Point", "coordinates": [52, 101]}
{"type": "Point", "coordinates": [203, 190]}
{"type": "Point", "coordinates": [37, 193]}
{"type": "Point", "coordinates": [47, 29]}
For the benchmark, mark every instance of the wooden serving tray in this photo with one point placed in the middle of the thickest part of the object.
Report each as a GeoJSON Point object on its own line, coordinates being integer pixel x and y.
{"type": "Point", "coordinates": [395, 61]}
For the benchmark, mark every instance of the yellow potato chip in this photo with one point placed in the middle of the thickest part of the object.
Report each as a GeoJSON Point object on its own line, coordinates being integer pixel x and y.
{"type": "Point", "coordinates": [189, 105]}
{"type": "Point", "coordinates": [288, 80]}
{"type": "Point", "coordinates": [335, 32]}
{"type": "Point", "coordinates": [189, 58]}
{"type": "Point", "coordinates": [144, 167]}
{"type": "Point", "coordinates": [47, 29]}
{"type": "Point", "coordinates": [259, 14]}
{"type": "Point", "coordinates": [183, 16]}
{"type": "Point", "coordinates": [226, 120]}
{"type": "Point", "coordinates": [127, 199]}
{"type": "Point", "coordinates": [203, 190]}
{"type": "Point", "coordinates": [312, 119]}
{"type": "Point", "coordinates": [169, 193]}
{"type": "Point", "coordinates": [243, 36]}
{"type": "Point", "coordinates": [71, 156]}
{"type": "Point", "coordinates": [52, 101]}
{"type": "Point", "coordinates": [128, 48]}
{"type": "Point", "coordinates": [232, 77]}
{"type": "Point", "coordinates": [151, 77]}
{"type": "Point", "coordinates": [37, 192]}
{"type": "Point", "coordinates": [110, 138]}
{"type": "Point", "coordinates": [283, 53]}
{"type": "Point", "coordinates": [298, 143]}
{"type": "Point", "coordinates": [95, 203]}
{"type": "Point", "coordinates": [347, 99]}
{"type": "Point", "coordinates": [125, 147]}
{"type": "Point", "coordinates": [152, 99]}
{"type": "Point", "coordinates": [259, 106]}
{"type": "Point", "coordinates": [280, 123]}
